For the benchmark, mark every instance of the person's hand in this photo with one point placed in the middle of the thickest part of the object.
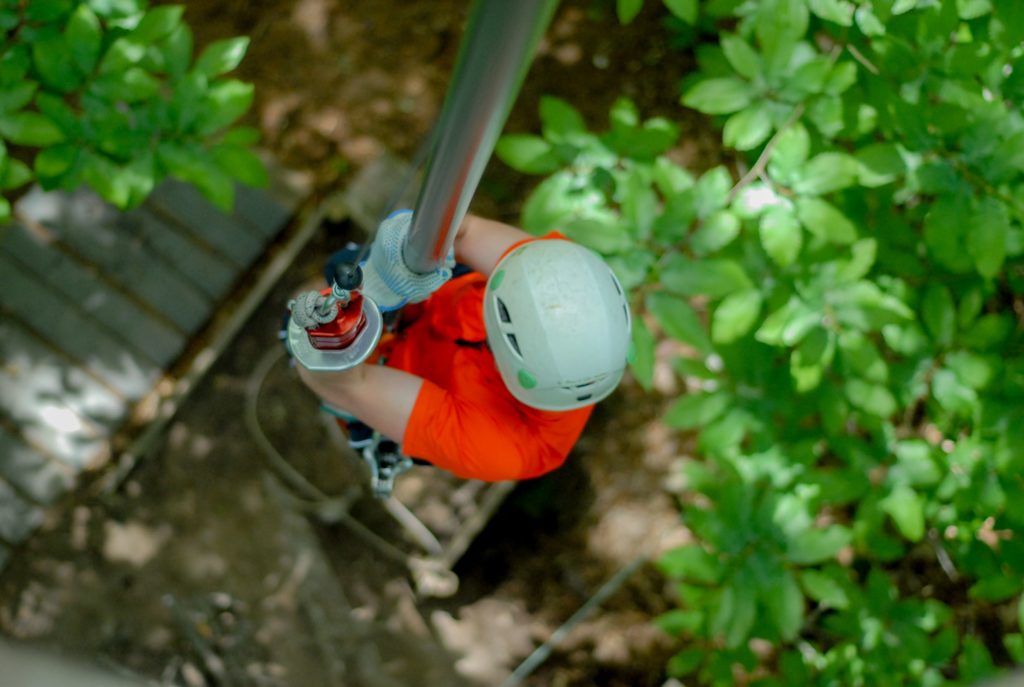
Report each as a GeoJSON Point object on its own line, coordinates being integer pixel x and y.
{"type": "Point", "coordinates": [386, 279]}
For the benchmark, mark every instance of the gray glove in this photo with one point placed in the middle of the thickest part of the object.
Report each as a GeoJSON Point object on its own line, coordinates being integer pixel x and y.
{"type": "Point", "coordinates": [386, 279]}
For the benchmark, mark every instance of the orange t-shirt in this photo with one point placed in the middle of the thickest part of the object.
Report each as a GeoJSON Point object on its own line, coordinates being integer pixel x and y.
{"type": "Point", "coordinates": [465, 420]}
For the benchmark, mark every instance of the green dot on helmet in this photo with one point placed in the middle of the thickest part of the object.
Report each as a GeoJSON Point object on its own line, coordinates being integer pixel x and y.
{"type": "Point", "coordinates": [496, 279]}
{"type": "Point", "coordinates": [526, 379]}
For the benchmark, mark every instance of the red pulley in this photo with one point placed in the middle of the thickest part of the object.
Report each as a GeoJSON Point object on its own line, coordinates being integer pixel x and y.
{"type": "Point", "coordinates": [341, 331]}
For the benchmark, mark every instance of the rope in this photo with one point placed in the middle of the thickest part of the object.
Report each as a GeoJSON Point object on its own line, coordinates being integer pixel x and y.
{"type": "Point", "coordinates": [332, 509]}
{"type": "Point", "coordinates": [310, 309]}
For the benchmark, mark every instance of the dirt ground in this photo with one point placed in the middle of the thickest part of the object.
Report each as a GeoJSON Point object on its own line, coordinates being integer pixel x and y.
{"type": "Point", "coordinates": [199, 571]}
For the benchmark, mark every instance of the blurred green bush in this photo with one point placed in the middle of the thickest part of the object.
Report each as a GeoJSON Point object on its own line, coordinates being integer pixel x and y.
{"type": "Point", "coordinates": [106, 93]}
{"type": "Point", "coordinates": [848, 288]}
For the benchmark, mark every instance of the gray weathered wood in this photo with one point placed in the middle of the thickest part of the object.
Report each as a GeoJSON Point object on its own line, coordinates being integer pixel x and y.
{"type": "Point", "coordinates": [150, 336]}
{"type": "Point", "coordinates": [260, 210]}
{"type": "Point", "coordinates": [55, 375]}
{"type": "Point", "coordinates": [232, 238]}
{"type": "Point", "coordinates": [41, 479]}
{"type": "Point", "coordinates": [89, 227]}
{"type": "Point", "coordinates": [50, 424]}
{"type": "Point", "coordinates": [67, 329]}
{"type": "Point", "coordinates": [18, 517]}
{"type": "Point", "coordinates": [207, 269]}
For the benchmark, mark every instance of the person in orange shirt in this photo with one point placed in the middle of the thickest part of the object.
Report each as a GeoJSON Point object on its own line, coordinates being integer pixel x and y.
{"type": "Point", "coordinates": [495, 372]}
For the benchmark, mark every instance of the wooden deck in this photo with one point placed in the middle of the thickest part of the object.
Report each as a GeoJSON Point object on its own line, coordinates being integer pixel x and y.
{"type": "Point", "coordinates": [95, 306]}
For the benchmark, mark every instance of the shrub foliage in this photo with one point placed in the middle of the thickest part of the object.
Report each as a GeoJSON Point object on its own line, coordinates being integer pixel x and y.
{"type": "Point", "coordinates": [849, 290]}
{"type": "Point", "coordinates": [106, 93]}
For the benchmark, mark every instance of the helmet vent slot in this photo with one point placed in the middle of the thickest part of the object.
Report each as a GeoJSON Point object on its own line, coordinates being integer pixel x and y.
{"type": "Point", "coordinates": [585, 385]}
{"type": "Point", "coordinates": [514, 344]}
{"type": "Point", "coordinates": [616, 282]}
{"type": "Point", "coordinates": [503, 312]}
{"type": "Point", "coordinates": [584, 397]}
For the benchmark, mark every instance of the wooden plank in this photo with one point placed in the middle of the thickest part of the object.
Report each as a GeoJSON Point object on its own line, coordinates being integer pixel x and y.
{"type": "Point", "coordinates": [184, 203]}
{"type": "Point", "coordinates": [48, 413]}
{"type": "Point", "coordinates": [37, 477]}
{"type": "Point", "coordinates": [119, 314]}
{"type": "Point", "coordinates": [89, 227]}
{"type": "Point", "coordinates": [67, 330]}
{"type": "Point", "coordinates": [18, 517]}
{"type": "Point", "coordinates": [57, 375]}
{"type": "Point", "coordinates": [260, 210]}
{"type": "Point", "coordinates": [195, 260]}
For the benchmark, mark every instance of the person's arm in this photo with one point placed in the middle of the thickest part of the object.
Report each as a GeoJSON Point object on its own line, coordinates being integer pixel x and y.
{"type": "Point", "coordinates": [379, 396]}
{"type": "Point", "coordinates": [480, 243]}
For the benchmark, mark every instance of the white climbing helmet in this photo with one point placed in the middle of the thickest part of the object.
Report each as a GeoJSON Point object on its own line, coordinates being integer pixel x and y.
{"type": "Point", "coordinates": [558, 324]}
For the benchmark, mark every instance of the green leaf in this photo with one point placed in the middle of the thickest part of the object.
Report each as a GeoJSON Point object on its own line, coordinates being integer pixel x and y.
{"type": "Point", "coordinates": [786, 606]}
{"type": "Point", "coordinates": [670, 178]}
{"type": "Point", "coordinates": [29, 129]}
{"type": "Point", "coordinates": [780, 235]}
{"type": "Point", "coordinates": [628, 9]}
{"type": "Point", "coordinates": [527, 153]}
{"type": "Point", "coordinates": [221, 56]}
{"type": "Point", "coordinates": [973, 370]}
{"type": "Point", "coordinates": [54, 161]}
{"type": "Point", "coordinates": [677, 622]}
{"type": "Point", "coordinates": [115, 8]}
{"type": "Point", "coordinates": [242, 164]}
{"type": "Point", "coordinates": [602, 233]}
{"type": "Point", "coordinates": [906, 509]}
{"type": "Point", "coordinates": [868, 23]}
{"type": "Point", "coordinates": [121, 54]}
{"type": "Point", "coordinates": [808, 361]}
{"type": "Point", "coordinates": [158, 23]}
{"type": "Point", "coordinates": [133, 85]}
{"type": "Point", "coordinates": [677, 319]}
{"type": "Point", "coordinates": [16, 173]}
{"type": "Point", "coordinates": [559, 120]}
{"type": "Point", "coordinates": [194, 165]}
{"type": "Point", "coordinates": [224, 103]}
{"type": "Point", "coordinates": [45, 11]}
{"type": "Point", "coordinates": [791, 149]}
{"type": "Point", "coordinates": [697, 410]}
{"type": "Point", "coordinates": [953, 395]}
{"type": "Point", "coordinates": [14, 64]}
{"type": "Point", "coordinates": [683, 9]}
{"type": "Point", "coordinates": [55, 64]}
{"type": "Point", "coordinates": [716, 232]}
{"type": "Point", "coordinates": [177, 51]}
{"type": "Point", "coordinates": [5, 210]}
{"type": "Point", "coordinates": [735, 316]}
{"type": "Point", "coordinates": [862, 257]}
{"type": "Point", "coordinates": [813, 546]}
{"type": "Point", "coordinates": [719, 96]}
{"type": "Point", "coordinates": [997, 588]}
{"type": "Point", "coordinates": [556, 200]}
{"type": "Point", "coordinates": [842, 77]}
{"type": "Point", "coordinates": [879, 164]}
{"type": "Point", "coordinates": [711, 191]}
{"type": "Point", "coordinates": [748, 128]}
{"type": "Point", "coordinates": [84, 36]}
{"type": "Point", "coordinates": [824, 589]}
{"type": "Point", "coordinates": [1020, 614]}
{"type": "Point", "coordinates": [641, 358]}
{"type": "Point", "coordinates": [838, 11]}
{"type": "Point", "coordinates": [631, 267]}
{"type": "Point", "coordinates": [939, 313]}
{"type": "Point", "coordinates": [686, 661]}
{"type": "Point", "coordinates": [712, 278]}
{"type": "Point", "coordinates": [823, 220]}
{"type": "Point", "coordinates": [16, 96]}
{"type": "Point", "coordinates": [788, 325]}
{"type": "Point", "coordinates": [986, 237]}
{"type": "Point", "coordinates": [874, 399]}
{"type": "Point", "coordinates": [743, 58]}
{"type": "Point", "coordinates": [826, 173]}
{"type": "Point", "coordinates": [242, 136]}
{"type": "Point", "coordinates": [736, 614]}
{"type": "Point", "coordinates": [692, 563]}
{"type": "Point", "coordinates": [944, 228]}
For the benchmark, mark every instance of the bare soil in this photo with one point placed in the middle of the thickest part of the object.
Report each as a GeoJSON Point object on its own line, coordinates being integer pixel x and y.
{"type": "Point", "coordinates": [197, 571]}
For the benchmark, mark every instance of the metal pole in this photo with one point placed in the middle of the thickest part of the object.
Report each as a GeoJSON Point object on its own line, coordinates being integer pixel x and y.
{"type": "Point", "coordinates": [496, 50]}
